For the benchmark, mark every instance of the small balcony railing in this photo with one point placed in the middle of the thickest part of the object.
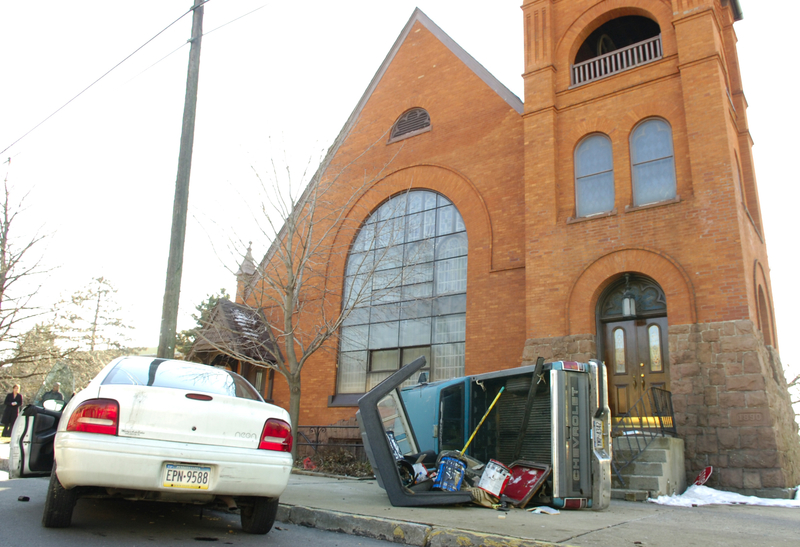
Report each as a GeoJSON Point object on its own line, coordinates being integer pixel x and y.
{"type": "Point", "coordinates": [617, 61]}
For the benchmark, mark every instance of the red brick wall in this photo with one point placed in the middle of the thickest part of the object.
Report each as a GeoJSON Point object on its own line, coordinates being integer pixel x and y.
{"type": "Point", "coordinates": [534, 273]}
{"type": "Point", "coordinates": [473, 156]}
{"type": "Point", "coordinates": [707, 234]}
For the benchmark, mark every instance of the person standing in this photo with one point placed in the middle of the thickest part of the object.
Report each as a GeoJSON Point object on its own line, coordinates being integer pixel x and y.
{"type": "Point", "coordinates": [53, 393]}
{"type": "Point", "coordinates": [13, 403]}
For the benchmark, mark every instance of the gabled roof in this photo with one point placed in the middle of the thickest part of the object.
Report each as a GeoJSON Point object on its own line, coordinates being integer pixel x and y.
{"type": "Point", "coordinates": [237, 330]}
{"type": "Point", "coordinates": [418, 16]}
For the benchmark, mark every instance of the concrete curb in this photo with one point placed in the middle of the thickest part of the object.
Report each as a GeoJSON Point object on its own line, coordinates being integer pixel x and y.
{"type": "Point", "coordinates": [398, 531]}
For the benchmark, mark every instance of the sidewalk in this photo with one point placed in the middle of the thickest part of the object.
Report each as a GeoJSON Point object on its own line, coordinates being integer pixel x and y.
{"type": "Point", "coordinates": [361, 508]}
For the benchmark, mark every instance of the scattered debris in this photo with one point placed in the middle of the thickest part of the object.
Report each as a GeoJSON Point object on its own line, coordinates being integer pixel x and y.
{"type": "Point", "coordinates": [703, 476]}
{"type": "Point", "coordinates": [543, 510]}
{"type": "Point", "coordinates": [23, 498]}
{"type": "Point", "coordinates": [426, 471]}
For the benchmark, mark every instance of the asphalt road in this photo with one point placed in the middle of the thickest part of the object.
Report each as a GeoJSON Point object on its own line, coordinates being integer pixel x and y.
{"type": "Point", "coordinates": [119, 522]}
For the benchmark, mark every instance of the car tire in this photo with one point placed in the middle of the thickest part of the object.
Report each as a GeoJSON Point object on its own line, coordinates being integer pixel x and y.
{"type": "Point", "coordinates": [258, 515]}
{"type": "Point", "coordinates": [58, 504]}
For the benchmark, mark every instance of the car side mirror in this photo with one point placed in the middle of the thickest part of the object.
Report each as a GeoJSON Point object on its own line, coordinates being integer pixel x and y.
{"type": "Point", "coordinates": [53, 404]}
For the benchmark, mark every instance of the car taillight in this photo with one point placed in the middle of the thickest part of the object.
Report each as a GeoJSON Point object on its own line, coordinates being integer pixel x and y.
{"type": "Point", "coordinates": [277, 435]}
{"type": "Point", "coordinates": [95, 416]}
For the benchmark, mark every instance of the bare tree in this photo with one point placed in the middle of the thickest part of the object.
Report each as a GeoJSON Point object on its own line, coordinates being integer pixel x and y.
{"type": "Point", "coordinates": [20, 270]}
{"type": "Point", "coordinates": [300, 305]}
{"type": "Point", "coordinates": [794, 393]}
{"type": "Point", "coordinates": [90, 319]}
{"type": "Point", "coordinates": [34, 355]}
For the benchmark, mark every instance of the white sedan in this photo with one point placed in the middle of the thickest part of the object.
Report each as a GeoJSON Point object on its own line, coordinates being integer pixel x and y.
{"type": "Point", "coordinates": [165, 430]}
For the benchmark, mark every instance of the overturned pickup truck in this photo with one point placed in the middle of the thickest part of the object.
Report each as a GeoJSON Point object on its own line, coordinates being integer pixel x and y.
{"type": "Point", "coordinates": [550, 416]}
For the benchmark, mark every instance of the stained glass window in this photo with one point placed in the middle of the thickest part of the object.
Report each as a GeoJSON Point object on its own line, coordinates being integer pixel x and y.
{"type": "Point", "coordinates": [654, 338]}
{"type": "Point", "coordinates": [619, 351]}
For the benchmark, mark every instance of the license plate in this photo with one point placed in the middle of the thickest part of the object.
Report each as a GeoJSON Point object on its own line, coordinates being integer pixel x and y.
{"type": "Point", "coordinates": [598, 435]}
{"type": "Point", "coordinates": [186, 476]}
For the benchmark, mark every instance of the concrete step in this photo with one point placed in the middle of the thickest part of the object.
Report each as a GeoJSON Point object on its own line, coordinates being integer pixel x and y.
{"type": "Point", "coordinates": [629, 495]}
{"type": "Point", "coordinates": [649, 455]}
{"type": "Point", "coordinates": [645, 469]}
{"type": "Point", "coordinates": [662, 443]}
{"type": "Point", "coordinates": [636, 482]}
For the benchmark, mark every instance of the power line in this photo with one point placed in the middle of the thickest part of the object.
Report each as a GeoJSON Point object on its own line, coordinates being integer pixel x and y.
{"type": "Point", "coordinates": [98, 79]}
{"type": "Point", "coordinates": [234, 20]}
{"type": "Point", "coordinates": [180, 47]}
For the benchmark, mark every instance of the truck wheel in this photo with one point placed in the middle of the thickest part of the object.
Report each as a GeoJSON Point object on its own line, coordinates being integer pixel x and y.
{"type": "Point", "coordinates": [258, 515]}
{"type": "Point", "coordinates": [58, 504]}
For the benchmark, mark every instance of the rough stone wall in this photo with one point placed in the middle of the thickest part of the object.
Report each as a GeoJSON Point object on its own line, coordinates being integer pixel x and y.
{"type": "Point", "coordinates": [732, 407]}
{"type": "Point", "coordinates": [576, 347]}
{"type": "Point", "coordinates": [731, 403]}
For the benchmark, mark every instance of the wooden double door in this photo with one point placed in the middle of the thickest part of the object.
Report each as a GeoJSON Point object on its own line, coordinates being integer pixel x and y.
{"type": "Point", "coordinates": [636, 360]}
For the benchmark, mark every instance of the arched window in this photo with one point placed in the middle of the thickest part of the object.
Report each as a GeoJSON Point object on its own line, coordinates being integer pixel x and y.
{"type": "Point", "coordinates": [594, 176]}
{"type": "Point", "coordinates": [764, 317]}
{"type": "Point", "coordinates": [652, 163]}
{"type": "Point", "coordinates": [405, 291]}
{"type": "Point", "coordinates": [412, 122]}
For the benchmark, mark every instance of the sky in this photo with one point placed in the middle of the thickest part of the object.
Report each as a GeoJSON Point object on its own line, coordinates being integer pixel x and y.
{"type": "Point", "coordinates": [277, 82]}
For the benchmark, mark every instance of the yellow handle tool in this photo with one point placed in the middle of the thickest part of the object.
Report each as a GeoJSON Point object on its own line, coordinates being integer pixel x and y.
{"type": "Point", "coordinates": [499, 393]}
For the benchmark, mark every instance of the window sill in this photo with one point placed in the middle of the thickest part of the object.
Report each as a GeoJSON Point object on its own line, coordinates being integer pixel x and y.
{"type": "Point", "coordinates": [610, 213]}
{"type": "Point", "coordinates": [631, 208]}
{"type": "Point", "coordinates": [344, 399]}
{"type": "Point", "coordinates": [409, 135]}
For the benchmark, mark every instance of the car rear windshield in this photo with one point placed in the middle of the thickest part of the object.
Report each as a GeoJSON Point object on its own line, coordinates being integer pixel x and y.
{"type": "Point", "coordinates": [181, 375]}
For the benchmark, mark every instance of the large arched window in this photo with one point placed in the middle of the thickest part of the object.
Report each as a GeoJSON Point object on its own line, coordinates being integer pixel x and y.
{"type": "Point", "coordinates": [652, 163]}
{"type": "Point", "coordinates": [594, 176]}
{"type": "Point", "coordinates": [405, 291]}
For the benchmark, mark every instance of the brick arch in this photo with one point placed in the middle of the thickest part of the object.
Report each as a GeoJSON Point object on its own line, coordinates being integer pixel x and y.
{"type": "Point", "coordinates": [602, 12]}
{"type": "Point", "coordinates": [764, 310]}
{"type": "Point", "coordinates": [599, 274]}
{"type": "Point", "coordinates": [595, 124]}
{"type": "Point", "coordinates": [448, 182]}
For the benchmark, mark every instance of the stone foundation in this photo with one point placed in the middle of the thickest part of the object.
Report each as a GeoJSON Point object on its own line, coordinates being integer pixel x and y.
{"type": "Point", "coordinates": [732, 407]}
{"type": "Point", "coordinates": [576, 347]}
{"type": "Point", "coordinates": [731, 402]}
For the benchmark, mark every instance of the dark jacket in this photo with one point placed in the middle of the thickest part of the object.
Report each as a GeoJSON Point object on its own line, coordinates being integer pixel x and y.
{"type": "Point", "coordinates": [11, 411]}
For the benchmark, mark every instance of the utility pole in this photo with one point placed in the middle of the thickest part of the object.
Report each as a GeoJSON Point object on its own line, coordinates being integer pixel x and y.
{"type": "Point", "coordinates": [172, 292]}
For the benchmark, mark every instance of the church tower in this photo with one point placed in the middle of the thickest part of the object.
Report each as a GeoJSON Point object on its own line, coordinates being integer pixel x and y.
{"type": "Point", "coordinates": [644, 243]}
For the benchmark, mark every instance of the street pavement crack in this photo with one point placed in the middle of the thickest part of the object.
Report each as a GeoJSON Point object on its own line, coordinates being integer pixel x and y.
{"type": "Point", "coordinates": [604, 528]}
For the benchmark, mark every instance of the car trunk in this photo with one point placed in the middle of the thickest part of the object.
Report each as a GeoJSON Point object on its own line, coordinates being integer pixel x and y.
{"type": "Point", "coordinates": [169, 414]}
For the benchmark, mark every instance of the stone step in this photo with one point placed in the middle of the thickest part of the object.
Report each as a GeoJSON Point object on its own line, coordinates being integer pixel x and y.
{"type": "Point", "coordinates": [636, 482]}
{"type": "Point", "coordinates": [645, 469]}
{"type": "Point", "coordinates": [625, 441]}
{"type": "Point", "coordinates": [629, 495]}
{"type": "Point", "coordinates": [650, 455]}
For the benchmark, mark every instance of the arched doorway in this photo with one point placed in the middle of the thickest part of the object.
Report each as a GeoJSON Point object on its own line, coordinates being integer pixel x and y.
{"type": "Point", "coordinates": [632, 331]}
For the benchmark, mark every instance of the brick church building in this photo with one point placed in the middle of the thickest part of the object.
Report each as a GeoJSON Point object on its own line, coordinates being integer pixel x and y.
{"type": "Point", "coordinates": [610, 213]}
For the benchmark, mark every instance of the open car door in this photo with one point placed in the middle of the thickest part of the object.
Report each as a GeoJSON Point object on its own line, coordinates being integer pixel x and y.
{"type": "Point", "coordinates": [31, 444]}
{"type": "Point", "coordinates": [380, 412]}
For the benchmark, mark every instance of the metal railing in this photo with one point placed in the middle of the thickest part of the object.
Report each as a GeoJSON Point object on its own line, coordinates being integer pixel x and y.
{"type": "Point", "coordinates": [312, 438]}
{"type": "Point", "coordinates": [617, 61]}
{"type": "Point", "coordinates": [649, 418]}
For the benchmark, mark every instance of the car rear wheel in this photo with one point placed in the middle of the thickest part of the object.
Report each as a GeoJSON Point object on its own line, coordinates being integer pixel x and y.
{"type": "Point", "coordinates": [58, 504]}
{"type": "Point", "coordinates": [258, 514]}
